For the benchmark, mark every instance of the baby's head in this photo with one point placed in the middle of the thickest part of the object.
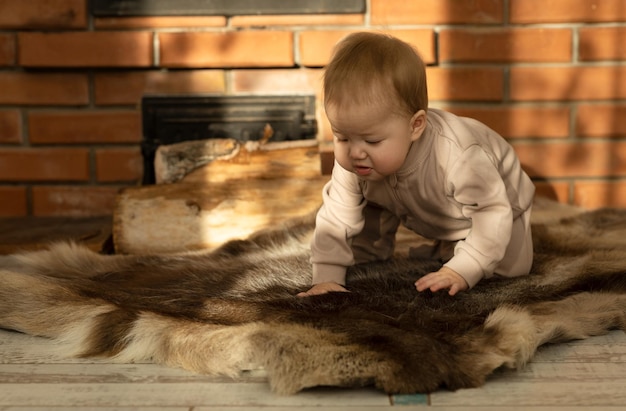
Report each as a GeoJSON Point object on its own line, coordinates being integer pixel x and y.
{"type": "Point", "coordinates": [372, 68]}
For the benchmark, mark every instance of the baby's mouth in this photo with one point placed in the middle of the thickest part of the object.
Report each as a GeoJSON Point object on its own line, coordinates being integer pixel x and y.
{"type": "Point", "coordinates": [362, 171]}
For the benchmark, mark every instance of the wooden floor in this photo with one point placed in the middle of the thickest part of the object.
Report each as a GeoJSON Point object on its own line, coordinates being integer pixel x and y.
{"type": "Point", "coordinates": [581, 375]}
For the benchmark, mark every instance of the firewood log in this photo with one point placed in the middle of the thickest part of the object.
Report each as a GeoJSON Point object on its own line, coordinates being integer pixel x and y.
{"type": "Point", "coordinates": [191, 216]}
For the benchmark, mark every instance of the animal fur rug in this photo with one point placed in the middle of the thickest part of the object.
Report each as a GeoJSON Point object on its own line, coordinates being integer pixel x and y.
{"type": "Point", "coordinates": [220, 312]}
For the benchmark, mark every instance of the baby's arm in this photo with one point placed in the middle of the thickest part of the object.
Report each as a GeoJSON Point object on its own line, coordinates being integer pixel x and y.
{"type": "Point", "coordinates": [339, 219]}
{"type": "Point", "coordinates": [445, 278]}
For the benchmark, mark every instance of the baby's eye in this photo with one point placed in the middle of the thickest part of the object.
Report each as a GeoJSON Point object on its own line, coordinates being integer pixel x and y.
{"type": "Point", "coordinates": [341, 139]}
{"type": "Point", "coordinates": [373, 142]}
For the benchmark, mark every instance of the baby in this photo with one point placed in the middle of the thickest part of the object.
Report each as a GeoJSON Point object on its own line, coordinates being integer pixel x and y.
{"type": "Point", "coordinates": [447, 178]}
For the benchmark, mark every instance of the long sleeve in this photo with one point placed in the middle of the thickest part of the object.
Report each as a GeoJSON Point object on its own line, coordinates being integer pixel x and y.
{"type": "Point", "coordinates": [339, 219]}
{"type": "Point", "coordinates": [477, 185]}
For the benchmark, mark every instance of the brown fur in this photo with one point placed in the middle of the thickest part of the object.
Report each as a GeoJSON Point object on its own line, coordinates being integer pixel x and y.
{"type": "Point", "coordinates": [223, 311]}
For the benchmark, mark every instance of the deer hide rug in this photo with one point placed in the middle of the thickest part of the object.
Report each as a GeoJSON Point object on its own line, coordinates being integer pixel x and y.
{"type": "Point", "coordinates": [223, 311]}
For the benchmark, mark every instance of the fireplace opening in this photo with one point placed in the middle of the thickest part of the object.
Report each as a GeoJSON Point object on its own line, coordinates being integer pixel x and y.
{"type": "Point", "coordinates": [174, 119]}
{"type": "Point", "coordinates": [119, 8]}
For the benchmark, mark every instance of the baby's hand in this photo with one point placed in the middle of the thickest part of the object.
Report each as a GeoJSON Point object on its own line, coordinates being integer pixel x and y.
{"type": "Point", "coordinates": [322, 288]}
{"type": "Point", "coordinates": [445, 278]}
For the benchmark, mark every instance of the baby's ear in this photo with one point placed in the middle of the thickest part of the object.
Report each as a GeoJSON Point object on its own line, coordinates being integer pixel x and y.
{"type": "Point", "coordinates": [418, 124]}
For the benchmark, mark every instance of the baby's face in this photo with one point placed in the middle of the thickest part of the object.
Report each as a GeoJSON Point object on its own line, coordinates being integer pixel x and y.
{"type": "Point", "coordinates": [370, 140]}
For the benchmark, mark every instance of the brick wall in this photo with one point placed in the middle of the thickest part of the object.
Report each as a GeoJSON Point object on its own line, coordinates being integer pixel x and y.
{"type": "Point", "coordinates": [549, 75]}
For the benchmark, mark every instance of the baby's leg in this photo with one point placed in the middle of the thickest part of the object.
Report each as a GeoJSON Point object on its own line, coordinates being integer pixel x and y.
{"type": "Point", "coordinates": [378, 238]}
{"type": "Point", "coordinates": [519, 254]}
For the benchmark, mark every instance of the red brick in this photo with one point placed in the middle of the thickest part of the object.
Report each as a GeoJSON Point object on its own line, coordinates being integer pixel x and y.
{"type": "Point", "coordinates": [7, 49]}
{"type": "Point", "coordinates": [505, 45]}
{"type": "Point", "coordinates": [521, 122]}
{"type": "Point", "coordinates": [567, 83]}
{"type": "Point", "coordinates": [108, 23]}
{"type": "Point", "coordinates": [43, 89]}
{"type": "Point", "coordinates": [465, 84]}
{"type": "Point", "coordinates": [230, 49]}
{"type": "Point", "coordinates": [43, 14]}
{"type": "Point", "coordinates": [78, 201]}
{"type": "Point", "coordinates": [601, 120]}
{"type": "Point", "coordinates": [602, 43]}
{"type": "Point", "coordinates": [62, 164]}
{"type": "Point", "coordinates": [597, 159]}
{"type": "Point", "coordinates": [316, 47]}
{"type": "Point", "coordinates": [119, 164]}
{"type": "Point", "coordinates": [558, 191]}
{"type": "Point", "coordinates": [14, 201]}
{"type": "Point", "coordinates": [75, 127]}
{"type": "Point", "coordinates": [10, 127]}
{"type": "Point", "coordinates": [277, 81]}
{"type": "Point", "coordinates": [85, 49]}
{"type": "Point", "coordinates": [298, 20]}
{"type": "Point", "coordinates": [385, 12]}
{"type": "Point", "coordinates": [596, 194]}
{"type": "Point", "coordinates": [566, 11]}
{"type": "Point", "coordinates": [129, 87]}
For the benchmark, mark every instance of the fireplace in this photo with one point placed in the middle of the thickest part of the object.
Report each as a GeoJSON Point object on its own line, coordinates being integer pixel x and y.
{"type": "Point", "coordinates": [174, 119]}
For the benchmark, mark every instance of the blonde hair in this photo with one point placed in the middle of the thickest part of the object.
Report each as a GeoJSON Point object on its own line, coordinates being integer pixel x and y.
{"type": "Point", "coordinates": [367, 67]}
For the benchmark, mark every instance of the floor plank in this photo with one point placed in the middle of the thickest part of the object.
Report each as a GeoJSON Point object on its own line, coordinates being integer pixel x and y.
{"type": "Point", "coordinates": [29, 408]}
{"type": "Point", "coordinates": [18, 348]}
{"type": "Point", "coordinates": [605, 348]}
{"type": "Point", "coordinates": [177, 394]}
{"type": "Point", "coordinates": [528, 394]}
{"type": "Point", "coordinates": [112, 373]}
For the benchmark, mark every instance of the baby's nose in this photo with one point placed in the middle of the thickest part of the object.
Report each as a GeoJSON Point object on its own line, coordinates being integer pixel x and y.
{"type": "Point", "coordinates": [357, 153]}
